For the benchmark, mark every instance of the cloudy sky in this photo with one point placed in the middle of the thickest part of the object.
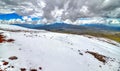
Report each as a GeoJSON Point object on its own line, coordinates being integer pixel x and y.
{"type": "Point", "coordinates": [64, 9]}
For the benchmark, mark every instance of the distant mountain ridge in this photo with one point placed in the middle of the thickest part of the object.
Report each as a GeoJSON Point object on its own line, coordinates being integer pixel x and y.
{"type": "Point", "coordinates": [62, 26]}
{"type": "Point", "coordinates": [102, 26]}
{"type": "Point", "coordinates": [97, 30]}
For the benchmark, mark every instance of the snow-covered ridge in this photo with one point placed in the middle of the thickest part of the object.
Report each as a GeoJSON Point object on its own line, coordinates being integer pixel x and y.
{"type": "Point", "coordinates": [48, 51]}
{"type": "Point", "coordinates": [14, 28]}
{"type": "Point", "coordinates": [6, 26]}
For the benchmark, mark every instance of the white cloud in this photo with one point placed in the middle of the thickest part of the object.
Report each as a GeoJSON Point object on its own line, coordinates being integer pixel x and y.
{"type": "Point", "coordinates": [68, 21]}
{"type": "Point", "coordinates": [26, 18]}
{"type": "Point", "coordinates": [12, 21]}
{"type": "Point", "coordinates": [113, 21]}
{"type": "Point", "coordinates": [84, 10]}
{"type": "Point", "coordinates": [6, 11]}
{"type": "Point", "coordinates": [57, 12]}
{"type": "Point", "coordinates": [42, 21]}
{"type": "Point", "coordinates": [114, 13]}
{"type": "Point", "coordinates": [66, 9]}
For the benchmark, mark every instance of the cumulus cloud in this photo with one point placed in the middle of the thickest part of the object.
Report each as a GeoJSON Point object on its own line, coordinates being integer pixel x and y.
{"type": "Point", "coordinates": [66, 9]}
{"type": "Point", "coordinates": [12, 21]}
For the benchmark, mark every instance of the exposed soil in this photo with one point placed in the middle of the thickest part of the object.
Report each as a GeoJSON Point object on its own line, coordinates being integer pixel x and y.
{"type": "Point", "coordinates": [3, 39]}
{"type": "Point", "coordinates": [5, 63]}
{"type": "Point", "coordinates": [13, 58]}
{"type": "Point", "coordinates": [23, 69]}
{"type": "Point", "coordinates": [10, 40]}
{"type": "Point", "coordinates": [98, 56]}
{"type": "Point", "coordinates": [40, 68]}
{"type": "Point", "coordinates": [10, 30]}
{"type": "Point", "coordinates": [1, 70]}
{"type": "Point", "coordinates": [9, 66]}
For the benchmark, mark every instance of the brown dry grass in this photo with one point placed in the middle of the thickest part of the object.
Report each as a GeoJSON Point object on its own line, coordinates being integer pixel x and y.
{"type": "Point", "coordinates": [13, 58]}
{"type": "Point", "coordinates": [3, 39]}
{"type": "Point", "coordinates": [98, 56]}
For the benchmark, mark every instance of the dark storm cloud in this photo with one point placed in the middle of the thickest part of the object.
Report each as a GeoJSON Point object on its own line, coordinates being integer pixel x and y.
{"type": "Point", "coordinates": [66, 9]}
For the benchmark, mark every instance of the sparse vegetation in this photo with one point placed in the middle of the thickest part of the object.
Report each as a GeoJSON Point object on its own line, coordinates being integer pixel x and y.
{"type": "Point", "coordinates": [13, 58]}
{"type": "Point", "coordinates": [3, 39]}
{"type": "Point", "coordinates": [98, 56]}
{"type": "Point", "coordinates": [105, 34]}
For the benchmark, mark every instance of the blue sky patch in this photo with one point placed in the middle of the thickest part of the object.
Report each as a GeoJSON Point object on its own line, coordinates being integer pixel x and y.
{"type": "Point", "coordinates": [10, 16]}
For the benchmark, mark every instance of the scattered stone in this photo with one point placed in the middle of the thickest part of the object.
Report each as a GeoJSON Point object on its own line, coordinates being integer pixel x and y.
{"type": "Point", "coordinates": [10, 40]}
{"type": "Point", "coordinates": [19, 49]}
{"type": "Point", "coordinates": [100, 66]}
{"type": "Point", "coordinates": [78, 50]}
{"type": "Point", "coordinates": [13, 58]}
{"type": "Point", "coordinates": [40, 68]}
{"type": "Point", "coordinates": [5, 63]}
{"type": "Point", "coordinates": [71, 48]}
{"type": "Point", "coordinates": [12, 66]}
{"type": "Point", "coordinates": [8, 66]}
{"type": "Point", "coordinates": [81, 53]}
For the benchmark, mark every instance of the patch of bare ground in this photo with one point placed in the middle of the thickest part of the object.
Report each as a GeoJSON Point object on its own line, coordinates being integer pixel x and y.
{"type": "Point", "coordinates": [11, 30]}
{"type": "Point", "coordinates": [103, 39]}
{"type": "Point", "coordinates": [98, 56]}
{"type": "Point", "coordinates": [5, 63]}
{"type": "Point", "coordinates": [108, 41]}
{"type": "Point", "coordinates": [1, 70]}
{"type": "Point", "coordinates": [40, 68]}
{"type": "Point", "coordinates": [22, 69]}
{"type": "Point", "coordinates": [3, 39]}
{"type": "Point", "coordinates": [80, 53]}
{"type": "Point", "coordinates": [13, 58]}
{"type": "Point", "coordinates": [10, 40]}
{"type": "Point", "coordinates": [88, 36]}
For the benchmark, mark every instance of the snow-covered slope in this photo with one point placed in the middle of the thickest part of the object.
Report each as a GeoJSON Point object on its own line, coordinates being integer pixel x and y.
{"type": "Point", "coordinates": [48, 51]}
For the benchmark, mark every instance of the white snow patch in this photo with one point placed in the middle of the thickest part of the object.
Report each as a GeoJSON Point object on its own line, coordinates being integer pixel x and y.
{"type": "Point", "coordinates": [56, 52]}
